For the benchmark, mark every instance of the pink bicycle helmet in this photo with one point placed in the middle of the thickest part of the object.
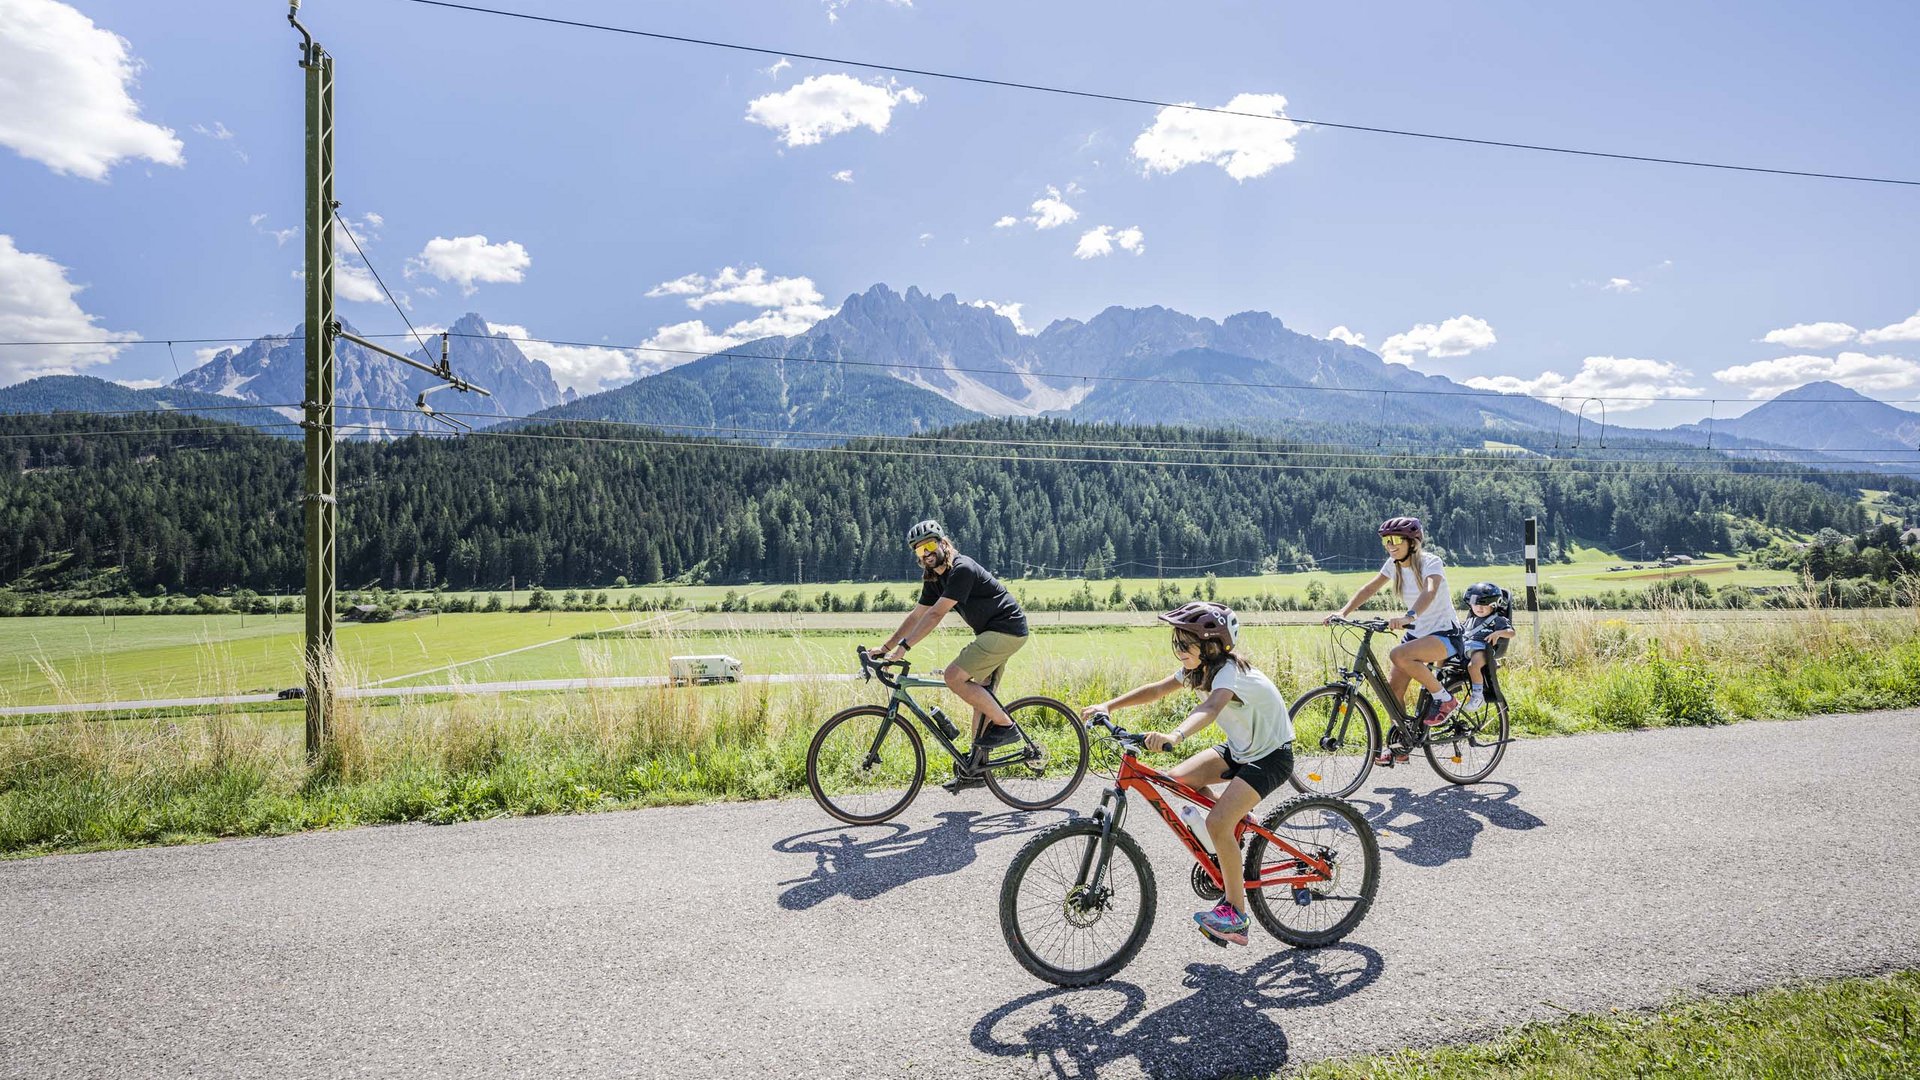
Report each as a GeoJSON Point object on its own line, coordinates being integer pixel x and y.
{"type": "Point", "coordinates": [1207, 621]}
{"type": "Point", "coordinates": [1408, 527]}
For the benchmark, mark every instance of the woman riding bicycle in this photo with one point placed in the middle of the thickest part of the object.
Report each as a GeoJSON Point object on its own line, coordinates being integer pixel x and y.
{"type": "Point", "coordinates": [951, 580]}
{"type": "Point", "coordinates": [1419, 581]}
{"type": "Point", "coordinates": [1257, 756]}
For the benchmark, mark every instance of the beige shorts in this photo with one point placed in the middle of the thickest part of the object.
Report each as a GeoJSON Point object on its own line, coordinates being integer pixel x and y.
{"type": "Point", "coordinates": [987, 654]}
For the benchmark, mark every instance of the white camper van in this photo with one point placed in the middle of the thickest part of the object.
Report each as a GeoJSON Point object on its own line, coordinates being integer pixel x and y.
{"type": "Point", "coordinates": [690, 670]}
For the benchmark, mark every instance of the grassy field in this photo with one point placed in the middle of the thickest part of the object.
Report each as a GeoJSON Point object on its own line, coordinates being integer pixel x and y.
{"type": "Point", "coordinates": [53, 659]}
{"type": "Point", "coordinates": [80, 784]}
{"type": "Point", "coordinates": [1851, 1029]}
{"type": "Point", "coordinates": [1588, 573]}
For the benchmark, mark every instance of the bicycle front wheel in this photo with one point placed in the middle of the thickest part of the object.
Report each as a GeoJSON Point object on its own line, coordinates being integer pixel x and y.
{"type": "Point", "coordinates": [1466, 748]}
{"type": "Point", "coordinates": [864, 767]}
{"type": "Point", "coordinates": [1335, 735]}
{"type": "Point", "coordinates": [1044, 767]}
{"type": "Point", "coordinates": [1061, 925]}
{"type": "Point", "coordinates": [1320, 912]}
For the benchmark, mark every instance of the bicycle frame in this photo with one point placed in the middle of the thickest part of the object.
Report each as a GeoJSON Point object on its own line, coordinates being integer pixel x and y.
{"type": "Point", "coordinates": [900, 684]}
{"type": "Point", "coordinates": [1147, 781]}
{"type": "Point", "coordinates": [1367, 669]}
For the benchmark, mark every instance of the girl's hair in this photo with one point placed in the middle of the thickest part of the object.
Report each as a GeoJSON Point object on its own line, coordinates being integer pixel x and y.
{"type": "Point", "coordinates": [1213, 657]}
{"type": "Point", "coordinates": [1411, 562]}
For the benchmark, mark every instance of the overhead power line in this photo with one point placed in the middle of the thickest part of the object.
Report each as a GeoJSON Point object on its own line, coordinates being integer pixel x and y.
{"type": "Point", "coordinates": [1245, 446]}
{"type": "Point", "coordinates": [734, 354]}
{"type": "Point", "coordinates": [1152, 102]}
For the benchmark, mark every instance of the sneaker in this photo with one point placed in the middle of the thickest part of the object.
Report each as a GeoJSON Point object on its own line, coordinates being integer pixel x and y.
{"type": "Point", "coordinates": [1476, 700]}
{"type": "Point", "coordinates": [1223, 924]}
{"type": "Point", "coordinates": [997, 735]}
{"type": "Point", "coordinates": [1442, 711]}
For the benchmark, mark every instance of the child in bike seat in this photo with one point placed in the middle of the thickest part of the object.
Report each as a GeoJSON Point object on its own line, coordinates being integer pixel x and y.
{"type": "Point", "coordinates": [1487, 627]}
{"type": "Point", "coordinates": [1256, 758]}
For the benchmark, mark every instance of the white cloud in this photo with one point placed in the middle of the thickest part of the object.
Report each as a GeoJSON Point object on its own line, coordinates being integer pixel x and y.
{"type": "Point", "coordinates": [1102, 240]}
{"type": "Point", "coordinates": [1643, 382]}
{"type": "Point", "coordinates": [1011, 312]}
{"type": "Point", "coordinates": [924, 237]}
{"type": "Point", "coordinates": [824, 105]}
{"type": "Point", "coordinates": [733, 286]}
{"type": "Point", "coordinates": [587, 369]}
{"type": "Point", "coordinates": [64, 98]}
{"type": "Point", "coordinates": [1907, 329]}
{"type": "Point", "coordinates": [217, 132]}
{"type": "Point", "coordinates": [845, 176]}
{"type": "Point", "coordinates": [141, 384]}
{"type": "Point", "coordinates": [1050, 211]}
{"type": "Point", "coordinates": [1820, 335]}
{"type": "Point", "coordinates": [37, 304]}
{"type": "Point", "coordinates": [1457, 336]}
{"type": "Point", "coordinates": [1006, 222]}
{"type": "Point", "coordinates": [835, 7]}
{"type": "Point", "coordinates": [792, 305]}
{"type": "Point", "coordinates": [466, 260]}
{"type": "Point", "coordinates": [1620, 284]}
{"type": "Point", "coordinates": [201, 356]}
{"type": "Point", "coordinates": [779, 66]}
{"type": "Point", "coordinates": [352, 281]}
{"type": "Point", "coordinates": [1857, 370]}
{"type": "Point", "coordinates": [1341, 333]}
{"type": "Point", "coordinates": [1245, 146]}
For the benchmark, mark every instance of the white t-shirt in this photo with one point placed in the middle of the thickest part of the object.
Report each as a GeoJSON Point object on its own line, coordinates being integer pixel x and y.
{"type": "Point", "coordinates": [1439, 615]}
{"type": "Point", "coordinates": [1255, 720]}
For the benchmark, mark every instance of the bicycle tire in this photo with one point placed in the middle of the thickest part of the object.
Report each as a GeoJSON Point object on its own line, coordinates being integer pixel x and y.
{"type": "Point", "coordinates": [1280, 918]}
{"type": "Point", "coordinates": [840, 764]}
{"type": "Point", "coordinates": [1052, 723]}
{"type": "Point", "coordinates": [1020, 937]}
{"type": "Point", "coordinates": [1487, 728]}
{"type": "Point", "coordinates": [1320, 760]}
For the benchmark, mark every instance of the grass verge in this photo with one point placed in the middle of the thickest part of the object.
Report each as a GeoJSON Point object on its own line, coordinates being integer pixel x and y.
{"type": "Point", "coordinates": [87, 784]}
{"type": "Point", "coordinates": [1857, 1029]}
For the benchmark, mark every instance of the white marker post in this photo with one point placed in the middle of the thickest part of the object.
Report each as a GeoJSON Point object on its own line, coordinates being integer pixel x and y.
{"type": "Point", "coordinates": [1533, 577]}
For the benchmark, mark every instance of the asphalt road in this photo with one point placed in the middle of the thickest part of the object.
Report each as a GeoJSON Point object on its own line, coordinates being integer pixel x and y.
{"type": "Point", "coordinates": [762, 939]}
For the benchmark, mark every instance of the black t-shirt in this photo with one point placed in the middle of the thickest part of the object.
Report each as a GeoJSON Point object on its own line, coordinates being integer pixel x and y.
{"type": "Point", "coordinates": [978, 596]}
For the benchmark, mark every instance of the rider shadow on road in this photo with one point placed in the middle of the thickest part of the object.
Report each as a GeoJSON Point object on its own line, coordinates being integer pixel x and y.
{"type": "Point", "coordinates": [862, 861]}
{"type": "Point", "coordinates": [1440, 826]}
{"type": "Point", "coordinates": [1224, 1028]}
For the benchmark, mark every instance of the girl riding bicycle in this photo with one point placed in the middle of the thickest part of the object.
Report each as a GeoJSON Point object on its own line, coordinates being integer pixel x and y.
{"type": "Point", "coordinates": [1419, 581]}
{"type": "Point", "coordinates": [1256, 758]}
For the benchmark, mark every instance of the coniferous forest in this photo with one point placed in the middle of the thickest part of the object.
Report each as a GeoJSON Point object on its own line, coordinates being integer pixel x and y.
{"type": "Point", "coordinates": [186, 504]}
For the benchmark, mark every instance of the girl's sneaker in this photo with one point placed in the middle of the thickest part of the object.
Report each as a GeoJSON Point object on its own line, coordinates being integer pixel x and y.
{"type": "Point", "coordinates": [1224, 923]}
{"type": "Point", "coordinates": [1476, 700]}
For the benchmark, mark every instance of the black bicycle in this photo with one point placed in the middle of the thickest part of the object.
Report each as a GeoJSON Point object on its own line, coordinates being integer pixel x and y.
{"type": "Point", "coordinates": [1337, 732]}
{"type": "Point", "coordinates": [866, 763]}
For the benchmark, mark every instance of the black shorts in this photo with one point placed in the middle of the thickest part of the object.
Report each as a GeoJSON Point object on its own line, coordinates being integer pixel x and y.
{"type": "Point", "coordinates": [1264, 775]}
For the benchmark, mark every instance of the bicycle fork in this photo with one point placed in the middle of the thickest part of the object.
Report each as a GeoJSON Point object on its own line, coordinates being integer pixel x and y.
{"type": "Point", "coordinates": [1093, 866]}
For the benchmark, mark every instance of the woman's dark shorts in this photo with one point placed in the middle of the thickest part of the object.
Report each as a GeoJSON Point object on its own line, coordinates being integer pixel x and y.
{"type": "Point", "coordinates": [1264, 775]}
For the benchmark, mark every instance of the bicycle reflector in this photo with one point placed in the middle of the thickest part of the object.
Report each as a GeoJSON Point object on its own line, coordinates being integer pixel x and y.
{"type": "Point", "coordinates": [1315, 777]}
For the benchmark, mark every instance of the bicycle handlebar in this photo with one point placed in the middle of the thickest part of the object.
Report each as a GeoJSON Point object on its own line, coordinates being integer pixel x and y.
{"type": "Point", "coordinates": [1120, 735]}
{"type": "Point", "coordinates": [1378, 626]}
{"type": "Point", "coordinates": [870, 667]}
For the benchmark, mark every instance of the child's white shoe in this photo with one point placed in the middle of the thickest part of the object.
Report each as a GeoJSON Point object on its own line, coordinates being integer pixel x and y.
{"type": "Point", "coordinates": [1476, 700]}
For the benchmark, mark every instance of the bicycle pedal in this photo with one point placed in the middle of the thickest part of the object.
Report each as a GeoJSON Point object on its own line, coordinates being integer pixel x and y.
{"type": "Point", "coordinates": [1205, 934]}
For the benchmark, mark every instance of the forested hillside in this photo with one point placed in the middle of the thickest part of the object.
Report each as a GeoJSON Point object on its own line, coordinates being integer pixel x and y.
{"type": "Point", "coordinates": [206, 510]}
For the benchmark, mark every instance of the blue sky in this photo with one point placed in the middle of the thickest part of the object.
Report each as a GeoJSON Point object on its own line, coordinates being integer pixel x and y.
{"type": "Point", "coordinates": [601, 168]}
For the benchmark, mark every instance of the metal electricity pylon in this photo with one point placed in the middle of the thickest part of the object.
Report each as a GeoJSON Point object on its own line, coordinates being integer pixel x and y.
{"type": "Point", "coordinates": [322, 511]}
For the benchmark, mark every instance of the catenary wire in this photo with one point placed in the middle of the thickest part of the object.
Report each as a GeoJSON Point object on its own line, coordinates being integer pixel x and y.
{"type": "Point", "coordinates": [1152, 102]}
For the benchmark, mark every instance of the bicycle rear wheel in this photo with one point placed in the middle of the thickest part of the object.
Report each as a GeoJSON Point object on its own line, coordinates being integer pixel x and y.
{"type": "Point", "coordinates": [864, 768]}
{"type": "Point", "coordinates": [1335, 735]}
{"type": "Point", "coordinates": [1469, 745]}
{"type": "Point", "coordinates": [1322, 912]}
{"type": "Point", "coordinates": [1064, 930]}
{"type": "Point", "coordinates": [1048, 762]}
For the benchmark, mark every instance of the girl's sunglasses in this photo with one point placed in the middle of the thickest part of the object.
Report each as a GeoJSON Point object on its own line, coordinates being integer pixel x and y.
{"type": "Point", "coordinates": [1182, 648]}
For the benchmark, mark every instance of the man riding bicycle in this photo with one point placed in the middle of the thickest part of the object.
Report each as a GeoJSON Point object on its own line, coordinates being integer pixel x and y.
{"type": "Point", "coordinates": [951, 580]}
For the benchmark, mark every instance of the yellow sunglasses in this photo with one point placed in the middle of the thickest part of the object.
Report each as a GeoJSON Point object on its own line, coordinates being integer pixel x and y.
{"type": "Point", "coordinates": [925, 546]}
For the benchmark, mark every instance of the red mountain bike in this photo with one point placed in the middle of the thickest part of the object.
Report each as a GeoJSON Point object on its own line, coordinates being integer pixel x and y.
{"type": "Point", "coordinates": [1074, 915]}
